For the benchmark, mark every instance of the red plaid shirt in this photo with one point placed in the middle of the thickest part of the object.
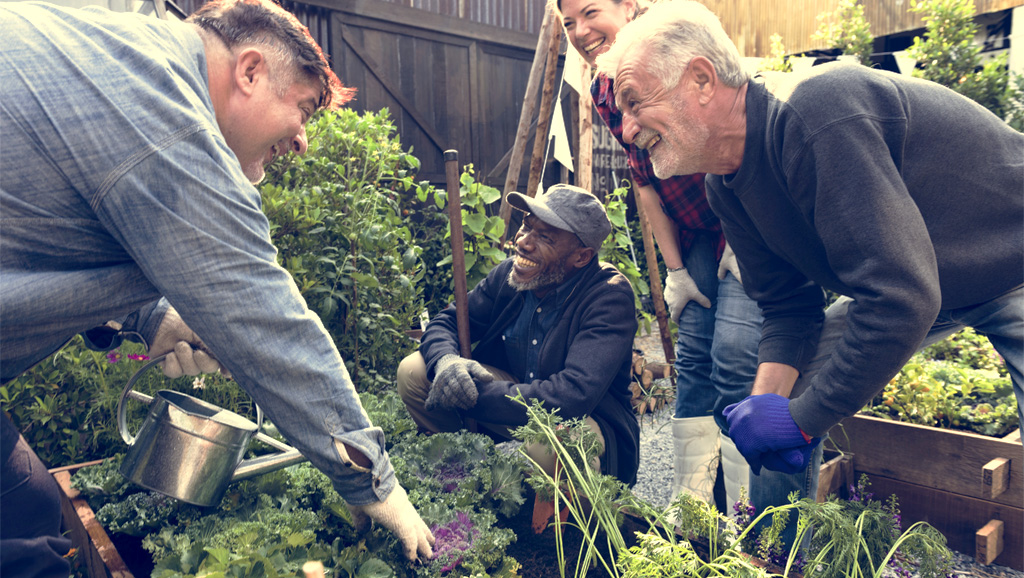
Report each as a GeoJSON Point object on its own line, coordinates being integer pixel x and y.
{"type": "Point", "coordinates": [682, 197]}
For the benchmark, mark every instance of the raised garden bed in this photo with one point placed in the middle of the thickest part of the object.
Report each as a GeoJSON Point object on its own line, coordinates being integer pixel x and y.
{"type": "Point", "coordinates": [99, 555]}
{"type": "Point", "coordinates": [968, 486]}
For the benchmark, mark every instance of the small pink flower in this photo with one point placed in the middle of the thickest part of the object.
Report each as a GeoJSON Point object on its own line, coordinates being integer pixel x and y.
{"type": "Point", "coordinates": [113, 356]}
{"type": "Point", "coordinates": [138, 357]}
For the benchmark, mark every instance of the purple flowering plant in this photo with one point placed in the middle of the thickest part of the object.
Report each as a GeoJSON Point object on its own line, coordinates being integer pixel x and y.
{"type": "Point", "coordinates": [462, 470]}
{"type": "Point", "coordinates": [114, 356]}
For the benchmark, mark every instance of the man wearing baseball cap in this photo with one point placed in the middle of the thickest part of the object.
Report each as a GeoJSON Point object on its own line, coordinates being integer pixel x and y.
{"type": "Point", "coordinates": [551, 323]}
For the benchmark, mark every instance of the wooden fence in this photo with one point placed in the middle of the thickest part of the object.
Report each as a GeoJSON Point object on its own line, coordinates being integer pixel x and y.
{"type": "Point", "coordinates": [751, 23]}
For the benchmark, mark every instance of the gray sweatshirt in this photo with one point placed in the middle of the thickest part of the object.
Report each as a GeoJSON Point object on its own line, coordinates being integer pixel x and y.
{"type": "Point", "coordinates": [894, 191]}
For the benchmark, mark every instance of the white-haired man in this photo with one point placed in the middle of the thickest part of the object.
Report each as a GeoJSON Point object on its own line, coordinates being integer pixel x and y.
{"type": "Point", "coordinates": [897, 193]}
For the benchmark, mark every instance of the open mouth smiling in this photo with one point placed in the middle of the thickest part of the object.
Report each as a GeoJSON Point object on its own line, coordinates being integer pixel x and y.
{"type": "Point", "coordinates": [590, 48]}
{"type": "Point", "coordinates": [524, 263]}
{"type": "Point", "coordinates": [651, 142]}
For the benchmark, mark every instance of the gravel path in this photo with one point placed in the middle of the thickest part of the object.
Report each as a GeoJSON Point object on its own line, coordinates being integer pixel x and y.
{"type": "Point", "coordinates": [654, 480]}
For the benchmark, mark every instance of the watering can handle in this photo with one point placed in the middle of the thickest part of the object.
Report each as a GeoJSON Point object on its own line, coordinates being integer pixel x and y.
{"type": "Point", "coordinates": [122, 422]}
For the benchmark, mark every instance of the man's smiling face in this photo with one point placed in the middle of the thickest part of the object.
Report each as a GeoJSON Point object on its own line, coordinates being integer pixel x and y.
{"type": "Point", "coordinates": [665, 122]}
{"type": "Point", "coordinates": [545, 256]}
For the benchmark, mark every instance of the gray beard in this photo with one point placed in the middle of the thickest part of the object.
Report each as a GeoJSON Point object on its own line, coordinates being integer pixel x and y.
{"type": "Point", "coordinates": [549, 279]}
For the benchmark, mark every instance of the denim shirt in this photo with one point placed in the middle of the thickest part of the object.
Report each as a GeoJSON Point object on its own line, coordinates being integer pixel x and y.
{"type": "Point", "coordinates": [525, 337]}
{"type": "Point", "coordinates": [117, 187]}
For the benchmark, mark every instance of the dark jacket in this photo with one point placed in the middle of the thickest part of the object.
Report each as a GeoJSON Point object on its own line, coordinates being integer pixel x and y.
{"type": "Point", "coordinates": [584, 360]}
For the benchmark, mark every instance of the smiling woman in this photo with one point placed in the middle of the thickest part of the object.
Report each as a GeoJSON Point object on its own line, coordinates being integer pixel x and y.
{"type": "Point", "coordinates": [591, 25]}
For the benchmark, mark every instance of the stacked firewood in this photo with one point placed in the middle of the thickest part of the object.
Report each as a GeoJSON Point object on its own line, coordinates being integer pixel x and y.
{"type": "Point", "coordinates": [650, 391]}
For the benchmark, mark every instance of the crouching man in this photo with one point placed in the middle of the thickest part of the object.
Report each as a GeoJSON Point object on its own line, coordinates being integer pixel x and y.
{"type": "Point", "coordinates": [551, 323]}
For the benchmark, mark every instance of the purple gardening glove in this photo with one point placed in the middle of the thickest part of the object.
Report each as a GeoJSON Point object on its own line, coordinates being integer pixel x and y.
{"type": "Point", "coordinates": [789, 461]}
{"type": "Point", "coordinates": [766, 435]}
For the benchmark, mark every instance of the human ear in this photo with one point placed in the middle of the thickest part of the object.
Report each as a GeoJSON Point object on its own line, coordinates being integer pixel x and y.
{"type": "Point", "coordinates": [583, 256]}
{"type": "Point", "coordinates": [631, 8]}
{"type": "Point", "coordinates": [703, 78]}
{"type": "Point", "coordinates": [249, 67]}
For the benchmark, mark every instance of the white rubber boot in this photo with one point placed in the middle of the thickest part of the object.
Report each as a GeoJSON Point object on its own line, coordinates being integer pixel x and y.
{"type": "Point", "coordinates": [695, 441]}
{"type": "Point", "coordinates": [736, 472]}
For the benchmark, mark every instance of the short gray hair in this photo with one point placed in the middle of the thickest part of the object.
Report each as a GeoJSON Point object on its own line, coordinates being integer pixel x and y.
{"type": "Point", "coordinates": [673, 32]}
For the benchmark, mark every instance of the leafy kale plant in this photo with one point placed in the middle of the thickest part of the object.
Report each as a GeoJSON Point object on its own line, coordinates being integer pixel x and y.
{"type": "Point", "coordinates": [959, 383]}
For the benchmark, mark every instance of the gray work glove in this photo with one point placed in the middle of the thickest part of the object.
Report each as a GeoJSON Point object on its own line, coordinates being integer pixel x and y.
{"type": "Point", "coordinates": [728, 264]}
{"type": "Point", "coordinates": [680, 290]}
{"type": "Point", "coordinates": [397, 514]}
{"type": "Point", "coordinates": [186, 353]}
{"type": "Point", "coordinates": [454, 383]}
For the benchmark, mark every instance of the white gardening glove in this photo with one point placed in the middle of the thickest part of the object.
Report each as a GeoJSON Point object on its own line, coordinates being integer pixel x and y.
{"type": "Point", "coordinates": [186, 353]}
{"type": "Point", "coordinates": [728, 264]}
{"type": "Point", "coordinates": [397, 514]}
{"type": "Point", "coordinates": [680, 290]}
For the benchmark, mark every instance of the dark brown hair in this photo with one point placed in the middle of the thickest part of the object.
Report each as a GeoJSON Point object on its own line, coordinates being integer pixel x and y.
{"type": "Point", "coordinates": [263, 22]}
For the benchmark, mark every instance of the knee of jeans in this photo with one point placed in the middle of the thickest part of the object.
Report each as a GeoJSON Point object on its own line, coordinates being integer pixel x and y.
{"type": "Point", "coordinates": [545, 458]}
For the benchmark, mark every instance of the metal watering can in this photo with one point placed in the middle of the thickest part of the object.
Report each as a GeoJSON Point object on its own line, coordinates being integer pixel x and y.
{"type": "Point", "coordinates": [190, 449]}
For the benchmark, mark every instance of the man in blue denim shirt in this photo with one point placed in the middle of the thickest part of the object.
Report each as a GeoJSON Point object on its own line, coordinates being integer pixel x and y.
{"type": "Point", "coordinates": [551, 323]}
{"type": "Point", "coordinates": [129, 149]}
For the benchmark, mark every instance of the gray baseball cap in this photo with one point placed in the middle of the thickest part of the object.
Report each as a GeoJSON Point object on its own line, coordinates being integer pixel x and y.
{"type": "Point", "coordinates": [569, 208]}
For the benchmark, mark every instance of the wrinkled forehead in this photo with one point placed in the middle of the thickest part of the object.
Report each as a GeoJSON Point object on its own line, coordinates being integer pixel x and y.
{"type": "Point", "coordinates": [636, 83]}
{"type": "Point", "coordinates": [629, 82]}
{"type": "Point", "coordinates": [535, 222]}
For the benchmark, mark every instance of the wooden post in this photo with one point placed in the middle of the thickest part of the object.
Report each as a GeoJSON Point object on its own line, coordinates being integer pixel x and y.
{"type": "Point", "coordinates": [655, 279]}
{"type": "Point", "coordinates": [451, 169]}
{"type": "Point", "coordinates": [540, 138]}
{"type": "Point", "coordinates": [585, 158]}
{"type": "Point", "coordinates": [515, 163]}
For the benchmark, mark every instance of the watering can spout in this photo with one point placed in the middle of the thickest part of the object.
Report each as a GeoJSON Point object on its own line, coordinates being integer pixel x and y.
{"type": "Point", "coordinates": [266, 464]}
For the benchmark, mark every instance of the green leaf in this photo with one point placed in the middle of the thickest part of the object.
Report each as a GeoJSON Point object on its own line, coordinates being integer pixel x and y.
{"type": "Point", "coordinates": [221, 555]}
{"type": "Point", "coordinates": [474, 223]}
{"type": "Point", "coordinates": [375, 568]}
{"type": "Point", "coordinates": [489, 194]}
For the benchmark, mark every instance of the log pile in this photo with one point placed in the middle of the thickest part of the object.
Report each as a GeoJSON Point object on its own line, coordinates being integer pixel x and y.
{"type": "Point", "coordinates": [648, 394]}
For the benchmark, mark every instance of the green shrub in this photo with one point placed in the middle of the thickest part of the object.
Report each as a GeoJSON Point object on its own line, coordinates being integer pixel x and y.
{"type": "Point", "coordinates": [776, 59]}
{"type": "Point", "coordinates": [620, 250]}
{"type": "Point", "coordinates": [949, 56]}
{"type": "Point", "coordinates": [336, 219]}
{"type": "Point", "coordinates": [847, 29]}
{"type": "Point", "coordinates": [482, 230]}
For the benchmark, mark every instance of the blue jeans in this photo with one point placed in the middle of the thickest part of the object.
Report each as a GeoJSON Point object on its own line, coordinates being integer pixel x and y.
{"type": "Point", "coordinates": [716, 360]}
{"type": "Point", "coordinates": [716, 349]}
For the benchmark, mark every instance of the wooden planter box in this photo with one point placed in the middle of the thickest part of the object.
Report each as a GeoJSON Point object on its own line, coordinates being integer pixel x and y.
{"type": "Point", "coordinates": [97, 553]}
{"type": "Point", "coordinates": [968, 486]}
{"type": "Point", "coordinates": [835, 476]}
